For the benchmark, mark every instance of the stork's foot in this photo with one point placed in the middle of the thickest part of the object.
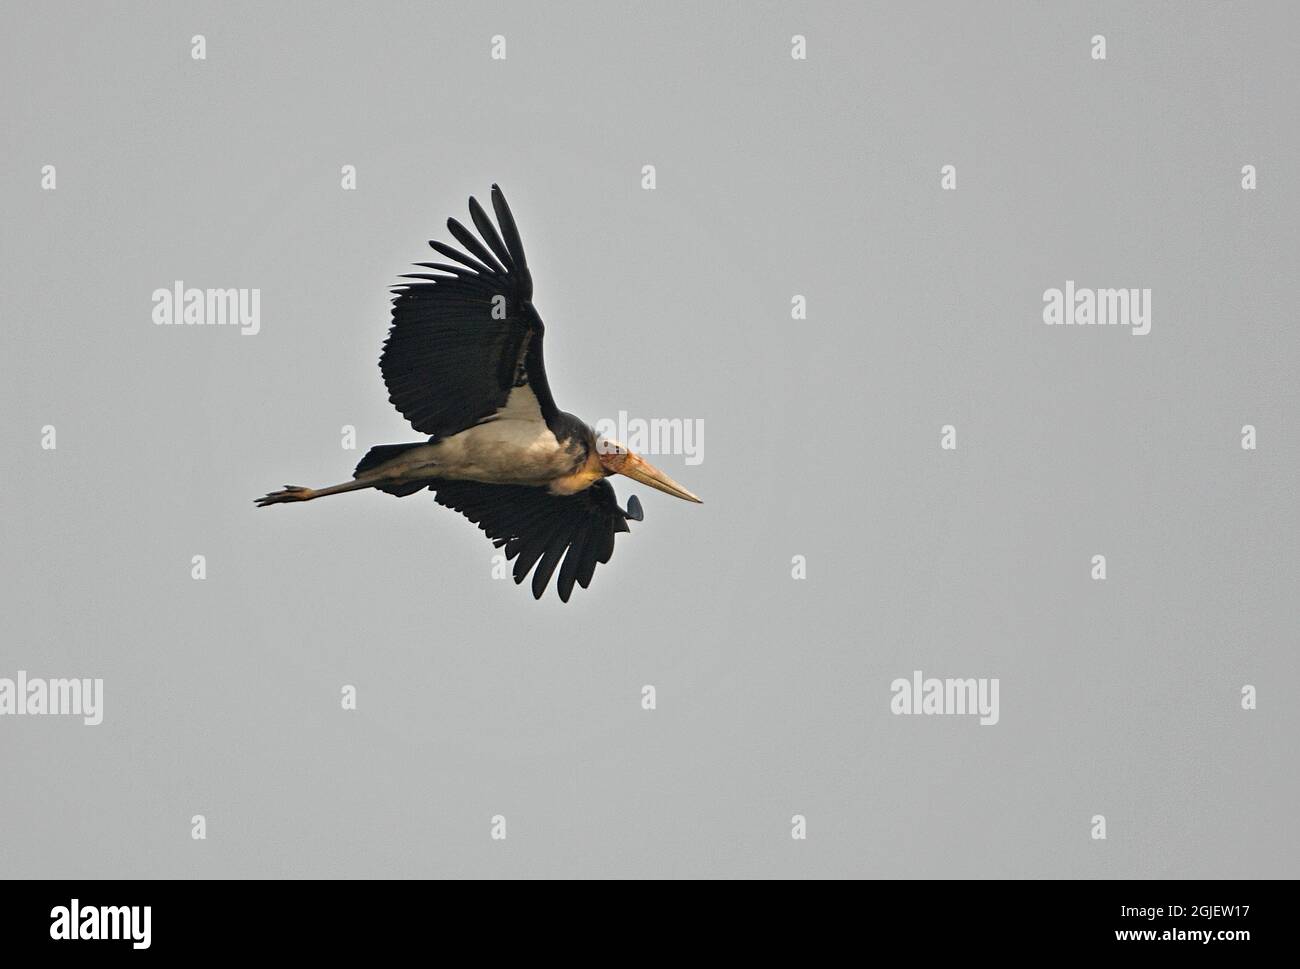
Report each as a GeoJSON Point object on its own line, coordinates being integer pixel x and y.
{"type": "Point", "coordinates": [290, 493]}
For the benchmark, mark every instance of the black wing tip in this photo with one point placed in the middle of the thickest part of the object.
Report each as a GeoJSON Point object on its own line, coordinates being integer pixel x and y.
{"type": "Point", "coordinates": [634, 509]}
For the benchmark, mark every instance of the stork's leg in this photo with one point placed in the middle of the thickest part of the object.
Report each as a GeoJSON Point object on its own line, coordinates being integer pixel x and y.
{"type": "Point", "coordinates": [299, 493]}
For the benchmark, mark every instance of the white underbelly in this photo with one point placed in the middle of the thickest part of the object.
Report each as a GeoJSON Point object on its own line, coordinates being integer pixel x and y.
{"type": "Point", "coordinates": [501, 451]}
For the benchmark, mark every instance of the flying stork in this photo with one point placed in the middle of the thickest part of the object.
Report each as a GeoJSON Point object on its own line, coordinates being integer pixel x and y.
{"type": "Point", "coordinates": [463, 364]}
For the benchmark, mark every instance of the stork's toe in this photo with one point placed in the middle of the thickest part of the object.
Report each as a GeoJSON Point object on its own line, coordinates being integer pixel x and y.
{"type": "Point", "coordinates": [290, 493]}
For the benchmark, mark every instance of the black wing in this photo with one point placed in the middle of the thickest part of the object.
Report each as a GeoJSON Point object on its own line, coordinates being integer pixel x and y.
{"type": "Point", "coordinates": [466, 334]}
{"type": "Point", "coordinates": [539, 527]}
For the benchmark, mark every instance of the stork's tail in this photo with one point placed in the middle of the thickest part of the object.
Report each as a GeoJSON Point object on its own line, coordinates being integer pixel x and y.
{"type": "Point", "coordinates": [381, 454]}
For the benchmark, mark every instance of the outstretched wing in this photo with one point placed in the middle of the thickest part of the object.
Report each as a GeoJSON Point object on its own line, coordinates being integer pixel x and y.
{"type": "Point", "coordinates": [466, 334]}
{"type": "Point", "coordinates": [537, 528]}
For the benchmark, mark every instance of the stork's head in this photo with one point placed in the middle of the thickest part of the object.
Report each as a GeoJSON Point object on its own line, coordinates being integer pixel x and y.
{"type": "Point", "coordinates": [616, 459]}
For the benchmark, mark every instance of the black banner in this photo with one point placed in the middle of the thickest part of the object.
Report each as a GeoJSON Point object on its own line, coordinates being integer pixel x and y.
{"type": "Point", "coordinates": [144, 919]}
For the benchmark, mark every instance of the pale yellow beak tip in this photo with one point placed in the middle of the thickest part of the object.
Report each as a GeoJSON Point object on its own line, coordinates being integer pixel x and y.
{"type": "Point", "coordinates": [638, 469]}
